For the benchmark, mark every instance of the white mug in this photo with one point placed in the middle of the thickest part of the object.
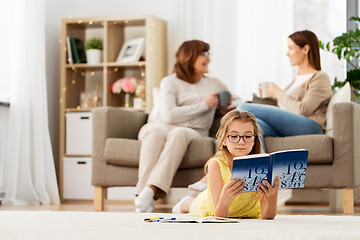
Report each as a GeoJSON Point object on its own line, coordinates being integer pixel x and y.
{"type": "Point", "coordinates": [264, 89]}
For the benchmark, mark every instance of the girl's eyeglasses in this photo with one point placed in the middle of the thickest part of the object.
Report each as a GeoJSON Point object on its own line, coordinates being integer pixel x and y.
{"type": "Point", "coordinates": [236, 138]}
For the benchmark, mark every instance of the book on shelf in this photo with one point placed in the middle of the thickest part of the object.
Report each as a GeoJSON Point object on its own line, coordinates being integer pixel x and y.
{"type": "Point", "coordinates": [69, 58]}
{"type": "Point", "coordinates": [289, 165]}
{"type": "Point", "coordinates": [77, 50]}
{"type": "Point", "coordinates": [210, 219]}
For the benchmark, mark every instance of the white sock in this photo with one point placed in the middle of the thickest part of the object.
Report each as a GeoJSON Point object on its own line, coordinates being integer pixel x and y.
{"type": "Point", "coordinates": [177, 207]}
{"type": "Point", "coordinates": [198, 186]}
{"type": "Point", "coordinates": [145, 200]}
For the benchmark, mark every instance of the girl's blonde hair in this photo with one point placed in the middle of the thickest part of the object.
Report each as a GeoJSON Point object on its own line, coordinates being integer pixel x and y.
{"type": "Point", "coordinates": [224, 125]}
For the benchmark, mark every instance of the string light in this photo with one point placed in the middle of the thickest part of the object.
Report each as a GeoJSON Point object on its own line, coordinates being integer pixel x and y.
{"type": "Point", "coordinates": [90, 22]}
{"type": "Point", "coordinates": [73, 68]}
{"type": "Point", "coordinates": [73, 81]}
{"type": "Point", "coordinates": [102, 23]}
{"type": "Point", "coordinates": [64, 89]}
{"type": "Point", "coordinates": [126, 21]}
{"type": "Point", "coordinates": [79, 21]}
{"type": "Point", "coordinates": [142, 74]}
{"type": "Point", "coordinates": [60, 100]}
{"type": "Point", "coordinates": [92, 73]}
{"type": "Point", "coordinates": [116, 69]}
{"type": "Point", "coordinates": [82, 74]}
{"type": "Point", "coordinates": [78, 107]}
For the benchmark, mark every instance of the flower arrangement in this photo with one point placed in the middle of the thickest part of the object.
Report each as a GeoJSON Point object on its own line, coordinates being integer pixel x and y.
{"type": "Point", "coordinates": [128, 85]}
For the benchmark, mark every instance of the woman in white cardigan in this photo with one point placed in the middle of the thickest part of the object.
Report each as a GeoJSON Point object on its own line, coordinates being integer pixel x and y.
{"type": "Point", "coordinates": [188, 100]}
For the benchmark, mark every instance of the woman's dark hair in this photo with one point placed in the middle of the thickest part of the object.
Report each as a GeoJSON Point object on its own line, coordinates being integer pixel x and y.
{"type": "Point", "coordinates": [306, 37]}
{"type": "Point", "coordinates": [185, 59]}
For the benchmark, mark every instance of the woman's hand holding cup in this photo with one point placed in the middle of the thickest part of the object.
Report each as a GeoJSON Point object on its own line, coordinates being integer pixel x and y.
{"type": "Point", "coordinates": [212, 100]}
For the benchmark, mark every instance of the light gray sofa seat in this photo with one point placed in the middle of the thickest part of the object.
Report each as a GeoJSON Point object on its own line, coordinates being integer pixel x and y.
{"type": "Point", "coordinates": [125, 152]}
{"type": "Point", "coordinates": [334, 161]}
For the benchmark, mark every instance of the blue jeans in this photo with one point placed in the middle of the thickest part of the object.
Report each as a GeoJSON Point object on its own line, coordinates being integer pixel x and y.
{"type": "Point", "coordinates": [276, 122]}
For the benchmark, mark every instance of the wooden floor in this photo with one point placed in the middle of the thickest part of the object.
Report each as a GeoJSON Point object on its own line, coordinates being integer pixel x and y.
{"type": "Point", "coordinates": [128, 206]}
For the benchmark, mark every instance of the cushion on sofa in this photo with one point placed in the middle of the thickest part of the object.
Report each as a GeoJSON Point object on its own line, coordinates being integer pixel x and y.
{"type": "Point", "coordinates": [320, 146]}
{"type": "Point", "coordinates": [342, 95]}
{"type": "Point", "coordinates": [122, 151]}
{"type": "Point", "coordinates": [199, 151]}
{"type": "Point", "coordinates": [126, 152]}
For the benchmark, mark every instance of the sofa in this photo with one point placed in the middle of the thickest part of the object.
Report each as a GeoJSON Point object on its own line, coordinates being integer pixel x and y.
{"type": "Point", "coordinates": [334, 157]}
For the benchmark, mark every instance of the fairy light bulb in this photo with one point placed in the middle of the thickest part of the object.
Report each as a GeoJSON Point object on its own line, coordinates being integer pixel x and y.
{"type": "Point", "coordinates": [116, 69]}
{"type": "Point", "coordinates": [91, 22]}
{"type": "Point", "coordinates": [73, 68]}
{"type": "Point", "coordinates": [79, 21]}
{"type": "Point", "coordinates": [92, 73]}
{"type": "Point", "coordinates": [73, 81]}
{"type": "Point", "coordinates": [78, 107]}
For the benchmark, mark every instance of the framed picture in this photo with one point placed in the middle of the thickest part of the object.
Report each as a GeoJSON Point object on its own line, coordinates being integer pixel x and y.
{"type": "Point", "coordinates": [131, 51]}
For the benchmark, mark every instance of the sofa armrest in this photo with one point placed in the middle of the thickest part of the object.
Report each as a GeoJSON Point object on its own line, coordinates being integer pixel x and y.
{"type": "Point", "coordinates": [112, 122]}
{"type": "Point", "coordinates": [346, 136]}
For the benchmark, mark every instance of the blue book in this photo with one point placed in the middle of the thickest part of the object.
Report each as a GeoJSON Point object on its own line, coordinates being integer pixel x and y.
{"type": "Point", "coordinates": [289, 165]}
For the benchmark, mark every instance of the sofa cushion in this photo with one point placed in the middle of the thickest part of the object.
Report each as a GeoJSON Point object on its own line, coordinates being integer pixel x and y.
{"type": "Point", "coordinates": [320, 146]}
{"type": "Point", "coordinates": [122, 151]}
{"type": "Point", "coordinates": [199, 151]}
{"type": "Point", "coordinates": [342, 95]}
{"type": "Point", "coordinates": [125, 152]}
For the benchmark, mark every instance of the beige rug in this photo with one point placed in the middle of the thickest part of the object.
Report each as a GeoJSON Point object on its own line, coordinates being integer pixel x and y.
{"type": "Point", "coordinates": [110, 225]}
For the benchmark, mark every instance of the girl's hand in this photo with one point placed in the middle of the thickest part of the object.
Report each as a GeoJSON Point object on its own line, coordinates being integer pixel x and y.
{"type": "Point", "coordinates": [270, 194]}
{"type": "Point", "coordinates": [212, 100]}
{"type": "Point", "coordinates": [274, 90]}
{"type": "Point", "coordinates": [231, 190]}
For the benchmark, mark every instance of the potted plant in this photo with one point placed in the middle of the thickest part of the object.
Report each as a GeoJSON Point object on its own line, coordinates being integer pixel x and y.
{"type": "Point", "coordinates": [347, 46]}
{"type": "Point", "coordinates": [94, 48]}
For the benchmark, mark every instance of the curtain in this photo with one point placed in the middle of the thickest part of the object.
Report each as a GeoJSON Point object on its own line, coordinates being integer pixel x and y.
{"type": "Point", "coordinates": [29, 176]}
{"type": "Point", "coordinates": [248, 39]}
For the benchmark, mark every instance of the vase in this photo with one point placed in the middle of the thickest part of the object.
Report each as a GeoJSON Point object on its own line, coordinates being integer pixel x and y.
{"type": "Point", "coordinates": [94, 56]}
{"type": "Point", "coordinates": [128, 100]}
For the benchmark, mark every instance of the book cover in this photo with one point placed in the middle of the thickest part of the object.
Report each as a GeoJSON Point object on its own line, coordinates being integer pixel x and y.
{"type": "Point", "coordinates": [289, 165]}
{"type": "Point", "coordinates": [69, 58]}
{"type": "Point", "coordinates": [78, 50]}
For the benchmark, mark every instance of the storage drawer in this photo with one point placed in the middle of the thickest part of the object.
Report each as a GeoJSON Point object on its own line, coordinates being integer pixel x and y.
{"type": "Point", "coordinates": [78, 133]}
{"type": "Point", "coordinates": [77, 178]}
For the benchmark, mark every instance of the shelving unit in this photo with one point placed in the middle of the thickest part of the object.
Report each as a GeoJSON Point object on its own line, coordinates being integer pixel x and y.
{"type": "Point", "coordinates": [96, 80]}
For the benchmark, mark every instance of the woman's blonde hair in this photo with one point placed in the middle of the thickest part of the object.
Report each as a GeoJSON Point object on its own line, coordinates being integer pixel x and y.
{"type": "Point", "coordinates": [224, 125]}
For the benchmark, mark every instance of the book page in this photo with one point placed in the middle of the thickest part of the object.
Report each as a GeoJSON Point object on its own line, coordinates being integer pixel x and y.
{"type": "Point", "coordinates": [290, 166]}
{"type": "Point", "coordinates": [252, 170]}
{"type": "Point", "coordinates": [214, 219]}
{"type": "Point", "coordinates": [209, 219]}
